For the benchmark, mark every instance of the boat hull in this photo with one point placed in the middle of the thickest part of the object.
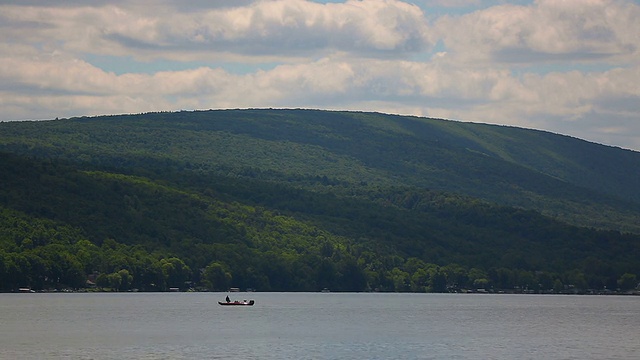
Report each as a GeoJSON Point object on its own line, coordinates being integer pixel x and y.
{"type": "Point", "coordinates": [237, 303]}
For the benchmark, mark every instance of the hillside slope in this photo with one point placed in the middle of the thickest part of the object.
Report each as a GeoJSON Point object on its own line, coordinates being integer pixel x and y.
{"type": "Point", "coordinates": [573, 180]}
{"type": "Point", "coordinates": [61, 222]}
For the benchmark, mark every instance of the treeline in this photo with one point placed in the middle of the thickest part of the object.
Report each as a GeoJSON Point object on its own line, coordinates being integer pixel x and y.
{"type": "Point", "coordinates": [153, 229]}
{"type": "Point", "coordinates": [41, 255]}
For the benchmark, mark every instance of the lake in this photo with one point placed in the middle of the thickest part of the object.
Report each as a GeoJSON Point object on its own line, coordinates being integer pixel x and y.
{"type": "Point", "coordinates": [318, 326]}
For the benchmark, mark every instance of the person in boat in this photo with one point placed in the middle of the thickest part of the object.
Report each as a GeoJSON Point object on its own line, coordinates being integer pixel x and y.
{"type": "Point", "coordinates": [228, 300]}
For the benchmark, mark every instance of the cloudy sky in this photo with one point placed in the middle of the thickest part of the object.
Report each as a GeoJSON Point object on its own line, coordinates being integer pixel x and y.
{"type": "Point", "coordinates": [566, 66]}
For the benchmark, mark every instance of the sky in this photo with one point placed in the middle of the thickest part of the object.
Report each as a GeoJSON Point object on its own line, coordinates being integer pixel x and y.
{"type": "Point", "coordinates": [566, 66]}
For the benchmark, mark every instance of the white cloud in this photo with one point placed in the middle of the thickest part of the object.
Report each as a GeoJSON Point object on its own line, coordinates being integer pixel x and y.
{"type": "Point", "coordinates": [452, 3]}
{"type": "Point", "coordinates": [570, 30]}
{"type": "Point", "coordinates": [282, 28]}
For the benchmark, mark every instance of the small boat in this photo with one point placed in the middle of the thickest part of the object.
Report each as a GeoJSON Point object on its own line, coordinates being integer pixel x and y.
{"type": "Point", "coordinates": [237, 303]}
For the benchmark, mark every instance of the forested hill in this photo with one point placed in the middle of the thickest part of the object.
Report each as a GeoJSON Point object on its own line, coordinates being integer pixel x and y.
{"type": "Point", "coordinates": [570, 179]}
{"type": "Point", "coordinates": [306, 199]}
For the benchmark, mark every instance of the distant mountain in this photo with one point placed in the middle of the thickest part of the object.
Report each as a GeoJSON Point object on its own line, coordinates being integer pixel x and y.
{"type": "Point", "coordinates": [306, 199]}
{"type": "Point", "coordinates": [570, 179]}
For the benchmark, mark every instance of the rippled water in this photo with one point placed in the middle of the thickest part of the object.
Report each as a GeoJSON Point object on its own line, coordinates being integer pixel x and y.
{"type": "Point", "coordinates": [318, 326]}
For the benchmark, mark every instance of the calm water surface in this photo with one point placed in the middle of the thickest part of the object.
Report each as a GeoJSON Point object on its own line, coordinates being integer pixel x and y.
{"type": "Point", "coordinates": [318, 326]}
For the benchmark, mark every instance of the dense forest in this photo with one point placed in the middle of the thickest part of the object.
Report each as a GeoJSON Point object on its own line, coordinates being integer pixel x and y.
{"type": "Point", "coordinates": [301, 200]}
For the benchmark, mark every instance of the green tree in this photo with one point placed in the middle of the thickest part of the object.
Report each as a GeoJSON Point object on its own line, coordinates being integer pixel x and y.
{"type": "Point", "coordinates": [576, 278]}
{"type": "Point", "coordinates": [126, 280]}
{"type": "Point", "coordinates": [480, 283]}
{"type": "Point", "coordinates": [420, 280]}
{"type": "Point", "coordinates": [503, 278]}
{"type": "Point", "coordinates": [401, 280]}
{"type": "Point", "coordinates": [457, 276]}
{"type": "Point", "coordinates": [438, 282]}
{"type": "Point", "coordinates": [558, 287]}
{"type": "Point", "coordinates": [628, 282]}
{"type": "Point", "coordinates": [478, 278]}
{"type": "Point", "coordinates": [102, 281]}
{"type": "Point", "coordinates": [217, 277]}
{"type": "Point", "coordinates": [352, 276]}
{"type": "Point", "coordinates": [546, 281]}
{"type": "Point", "coordinates": [526, 280]}
{"type": "Point", "coordinates": [114, 280]}
{"type": "Point", "coordinates": [327, 274]}
{"type": "Point", "coordinates": [175, 271]}
{"type": "Point", "coordinates": [3, 271]}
